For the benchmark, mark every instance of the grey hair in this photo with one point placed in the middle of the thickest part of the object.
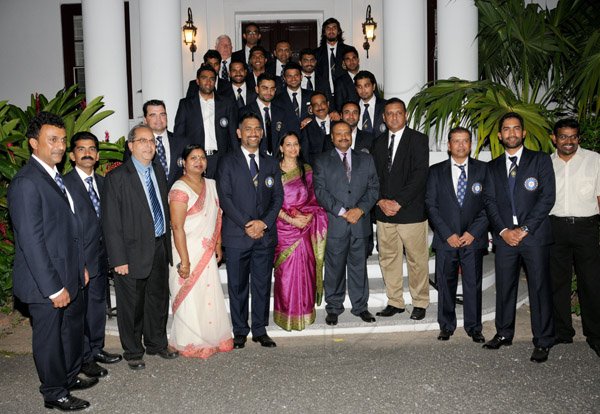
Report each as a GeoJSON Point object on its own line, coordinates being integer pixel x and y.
{"type": "Point", "coordinates": [132, 132]}
{"type": "Point", "coordinates": [223, 36]}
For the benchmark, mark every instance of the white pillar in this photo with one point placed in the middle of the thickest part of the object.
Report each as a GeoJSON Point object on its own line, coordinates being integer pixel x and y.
{"type": "Point", "coordinates": [404, 47]}
{"type": "Point", "coordinates": [105, 63]}
{"type": "Point", "coordinates": [457, 39]}
{"type": "Point", "coordinates": [161, 53]}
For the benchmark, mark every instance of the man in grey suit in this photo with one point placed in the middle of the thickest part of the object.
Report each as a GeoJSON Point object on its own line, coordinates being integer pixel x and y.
{"type": "Point", "coordinates": [346, 185]}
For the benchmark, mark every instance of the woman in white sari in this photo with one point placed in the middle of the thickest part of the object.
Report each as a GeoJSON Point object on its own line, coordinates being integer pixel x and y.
{"type": "Point", "coordinates": [201, 325]}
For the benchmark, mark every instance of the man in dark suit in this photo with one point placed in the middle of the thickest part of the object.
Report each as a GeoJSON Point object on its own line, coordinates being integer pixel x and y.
{"type": "Point", "coordinates": [310, 80]}
{"type": "Point", "coordinates": [224, 47]}
{"type": "Point", "coordinates": [85, 187]}
{"type": "Point", "coordinates": [402, 160]}
{"type": "Point", "coordinates": [244, 93]}
{"type": "Point", "coordinates": [346, 186]}
{"type": "Point", "coordinates": [361, 140]}
{"type": "Point", "coordinates": [275, 120]}
{"type": "Point", "coordinates": [456, 212]}
{"type": "Point", "coordinates": [257, 65]}
{"type": "Point", "coordinates": [371, 105]}
{"type": "Point", "coordinates": [316, 131]}
{"type": "Point", "coordinates": [251, 38]}
{"type": "Point", "coordinates": [292, 96]}
{"type": "Point", "coordinates": [519, 193]}
{"type": "Point", "coordinates": [331, 52]}
{"type": "Point", "coordinates": [136, 229]}
{"type": "Point", "coordinates": [345, 90]}
{"type": "Point", "coordinates": [48, 270]}
{"type": "Point", "coordinates": [251, 195]}
{"type": "Point", "coordinates": [207, 119]}
{"type": "Point", "coordinates": [283, 54]}
{"type": "Point", "coordinates": [222, 86]}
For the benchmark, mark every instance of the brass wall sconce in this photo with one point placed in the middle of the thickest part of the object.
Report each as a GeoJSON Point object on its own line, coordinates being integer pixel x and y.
{"type": "Point", "coordinates": [368, 28]}
{"type": "Point", "coordinates": [189, 33]}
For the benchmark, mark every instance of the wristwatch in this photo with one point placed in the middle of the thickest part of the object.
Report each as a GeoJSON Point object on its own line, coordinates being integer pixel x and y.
{"type": "Point", "coordinates": [525, 229]}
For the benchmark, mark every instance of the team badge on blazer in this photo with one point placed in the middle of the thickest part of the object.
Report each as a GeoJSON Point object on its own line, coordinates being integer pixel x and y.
{"type": "Point", "coordinates": [476, 188]}
{"type": "Point", "coordinates": [278, 126]}
{"type": "Point", "coordinates": [531, 184]}
{"type": "Point", "coordinates": [269, 181]}
{"type": "Point", "coordinates": [223, 122]}
{"type": "Point", "coordinates": [382, 128]}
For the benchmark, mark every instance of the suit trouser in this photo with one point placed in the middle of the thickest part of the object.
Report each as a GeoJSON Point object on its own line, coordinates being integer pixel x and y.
{"type": "Point", "coordinates": [340, 254]}
{"type": "Point", "coordinates": [57, 344]}
{"type": "Point", "coordinates": [249, 269]}
{"type": "Point", "coordinates": [576, 244]}
{"type": "Point", "coordinates": [95, 316]}
{"type": "Point", "coordinates": [446, 271]}
{"type": "Point", "coordinates": [507, 265]}
{"type": "Point", "coordinates": [143, 307]}
{"type": "Point", "coordinates": [392, 240]}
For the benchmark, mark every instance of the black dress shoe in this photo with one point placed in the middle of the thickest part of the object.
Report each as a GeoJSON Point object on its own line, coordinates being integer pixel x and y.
{"type": "Point", "coordinates": [417, 313]}
{"type": "Point", "coordinates": [165, 353]}
{"type": "Point", "coordinates": [136, 364]}
{"type": "Point", "coordinates": [540, 354]}
{"type": "Point", "coordinates": [331, 319]}
{"type": "Point", "coordinates": [68, 403]}
{"type": "Point", "coordinates": [107, 358]}
{"type": "Point", "coordinates": [92, 369]}
{"type": "Point", "coordinates": [366, 316]}
{"type": "Point", "coordinates": [563, 340]}
{"type": "Point", "coordinates": [239, 341]}
{"type": "Point", "coordinates": [496, 342]}
{"type": "Point", "coordinates": [83, 383]}
{"type": "Point", "coordinates": [477, 337]}
{"type": "Point", "coordinates": [390, 310]}
{"type": "Point", "coordinates": [444, 335]}
{"type": "Point", "coordinates": [265, 340]}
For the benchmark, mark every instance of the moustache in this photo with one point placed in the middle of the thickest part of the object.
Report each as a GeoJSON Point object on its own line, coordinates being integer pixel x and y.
{"type": "Point", "coordinates": [87, 157]}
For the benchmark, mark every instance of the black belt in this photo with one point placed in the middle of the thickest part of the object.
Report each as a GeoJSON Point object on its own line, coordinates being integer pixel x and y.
{"type": "Point", "coordinates": [159, 238]}
{"type": "Point", "coordinates": [573, 220]}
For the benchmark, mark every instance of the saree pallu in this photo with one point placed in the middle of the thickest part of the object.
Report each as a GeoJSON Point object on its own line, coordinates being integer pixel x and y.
{"type": "Point", "coordinates": [201, 325]}
{"type": "Point", "coordinates": [299, 255]}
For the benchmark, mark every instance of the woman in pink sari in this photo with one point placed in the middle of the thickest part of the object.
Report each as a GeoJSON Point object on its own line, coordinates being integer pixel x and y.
{"type": "Point", "coordinates": [301, 231]}
{"type": "Point", "coordinates": [201, 325]}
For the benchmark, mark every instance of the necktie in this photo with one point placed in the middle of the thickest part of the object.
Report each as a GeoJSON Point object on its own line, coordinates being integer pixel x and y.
{"type": "Point", "coordinates": [162, 155]}
{"type": "Point", "coordinates": [93, 196]}
{"type": "Point", "coordinates": [253, 170]}
{"type": "Point", "coordinates": [332, 63]}
{"type": "Point", "coordinates": [512, 179]}
{"type": "Point", "coordinates": [367, 125]}
{"type": "Point", "coordinates": [346, 166]}
{"type": "Point", "coordinates": [390, 158]}
{"type": "Point", "coordinates": [159, 223]}
{"type": "Point", "coordinates": [60, 182]}
{"type": "Point", "coordinates": [323, 127]}
{"type": "Point", "coordinates": [461, 187]}
{"type": "Point", "coordinates": [295, 104]}
{"type": "Point", "coordinates": [268, 130]}
{"type": "Point", "coordinates": [240, 98]}
{"type": "Point", "coordinates": [309, 84]}
{"type": "Point", "coordinates": [224, 72]}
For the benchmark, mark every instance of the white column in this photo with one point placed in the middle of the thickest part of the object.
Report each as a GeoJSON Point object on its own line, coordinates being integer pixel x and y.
{"type": "Point", "coordinates": [457, 39]}
{"type": "Point", "coordinates": [105, 63]}
{"type": "Point", "coordinates": [404, 47]}
{"type": "Point", "coordinates": [160, 43]}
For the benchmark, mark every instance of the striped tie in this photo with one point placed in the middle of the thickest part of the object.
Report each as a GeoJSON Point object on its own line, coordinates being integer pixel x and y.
{"type": "Point", "coordinates": [159, 222]}
{"type": "Point", "coordinates": [461, 187]}
{"type": "Point", "coordinates": [93, 196]}
{"type": "Point", "coordinates": [60, 182]}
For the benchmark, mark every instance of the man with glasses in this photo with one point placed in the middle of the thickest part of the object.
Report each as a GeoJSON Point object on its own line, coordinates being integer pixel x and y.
{"type": "Point", "coordinates": [137, 232]}
{"type": "Point", "coordinates": [251, 37]}
{"type": "Point", "coordinates": [574, 220]}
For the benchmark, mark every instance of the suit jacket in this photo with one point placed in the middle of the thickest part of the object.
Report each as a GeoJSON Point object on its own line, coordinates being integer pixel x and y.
{"type": "Point", "coordinates": [363, 141]}
{"type": "Point", "coordinates": [250, 95]}
{"type": "Point", "coordinates": [48, 239]}
{"type": "Point", "coordinates": [95, 257]}
{"type": "Point", "coordinates": [283, 99]}
{"type": "Point", "coordinates": [241, 202]}
{"type": "Point", "coordinates": [239, 56]}
{"type": "Point", "coordinates": [282, 121]}
{"type": "Point", "coordinates": [189, 125]}
{"type": "Point", "coordinates": [345, 91]}
{"type": "Point", "coordinates": [314, 141]}
{"type": "Point", "coordinates": [534, 196]}
{"type": "Point", "coordinates": [322, 54]}
{"type": "Point", "coordinates": [379, 126]}
{"type": "Point", "coordinates": [333, 191]}
{"type": "Point", "coordinates": [446, 216]}
{"type": "Point", "coordinates": [222, 88]}
{"type": "Point", "coordinates": [407, 181]}
{"type": "Point", "coordinates": [127, 220]}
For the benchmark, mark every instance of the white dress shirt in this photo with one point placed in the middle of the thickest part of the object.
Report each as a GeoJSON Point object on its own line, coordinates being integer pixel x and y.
{"type": "Point", "coordinates": [371, 110]}
{"type": "Point", "coordinates": [456, 171]}
{"type": "Point", "coordinates": [208, 118]}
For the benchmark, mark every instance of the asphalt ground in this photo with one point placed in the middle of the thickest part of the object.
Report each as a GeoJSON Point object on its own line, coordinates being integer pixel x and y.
{"type": "Point", "coordinates": [406, 372]}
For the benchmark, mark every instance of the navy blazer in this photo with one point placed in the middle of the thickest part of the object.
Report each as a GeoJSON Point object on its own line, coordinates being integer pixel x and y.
{"type": "Point", "coordinates": [222, 88]}
{"type": "Point", "coordinates": [95, 257]}
{"type": "Point", "coordinates": [379, 126]}
{"type": "Point", "coordinates": [314, 141]}
{"type": "Point", "coordinates": [322, 54]}
{"type": "Point", "coordinates": [189, 125]}
{"type": "Point", "coordinates": [48, 239]}
{"type": "Point", "coordinates": [283, 99]}
{"type": "Point", "coordinates": [363, 141]}
{"type": "Point", "coordinates": [535, 193]}
{"type": "Point", "coordinates": [241, 202]}
{"type": "Point", "coordinates": [334, 191]}
{"type": "Point", "coordinates": [446, 216]}
{"type": "Point", "coordinates": [345, 91]}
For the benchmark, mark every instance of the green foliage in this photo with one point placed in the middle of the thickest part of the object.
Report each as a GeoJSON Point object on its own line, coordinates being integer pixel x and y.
{"type": "Point", "coordinates": [14, 153]}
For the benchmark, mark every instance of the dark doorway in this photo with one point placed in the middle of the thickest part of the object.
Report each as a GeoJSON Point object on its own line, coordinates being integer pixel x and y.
{"type": "Point", "coordinates": [300, 33]}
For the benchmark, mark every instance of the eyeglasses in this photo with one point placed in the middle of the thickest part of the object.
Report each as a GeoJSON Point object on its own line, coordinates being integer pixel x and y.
{"type": "Point", "coordinates": [251, 32]}
{"type": "Point", "coordinates": [567, 137]}
{"type": "Point", "coordinates": [145, 141]}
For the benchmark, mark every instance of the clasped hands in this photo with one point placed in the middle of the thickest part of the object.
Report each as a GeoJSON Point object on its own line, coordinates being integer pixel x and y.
{"type": "Point", "coordinates": [353, 215]}
{"type": "Point", "coordinates": [255, 229]}
{"type": "Point", "coordinates": [513, 237]}
{"type": "Point", "coordinates": [457, 241]}
{"type": "Point", "coordinates": [389, 207]}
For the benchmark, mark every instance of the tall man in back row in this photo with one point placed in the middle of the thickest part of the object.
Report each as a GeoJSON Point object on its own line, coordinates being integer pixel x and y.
{"type": "Point", "coordinates": [519, 193]}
